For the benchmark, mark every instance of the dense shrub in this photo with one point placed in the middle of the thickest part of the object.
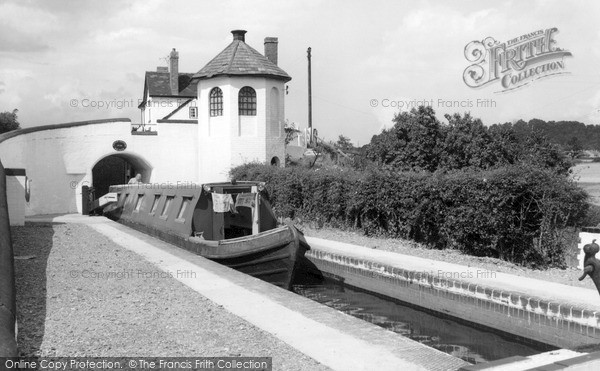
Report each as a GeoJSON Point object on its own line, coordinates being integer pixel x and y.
{"type": "Point", "coordinates": [592, 217]}
{"type": "Point", "coordinates": [516, 212]}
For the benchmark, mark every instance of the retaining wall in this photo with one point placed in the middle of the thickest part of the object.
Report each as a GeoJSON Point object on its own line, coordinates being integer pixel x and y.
{"type": "Point", "coordinates": [552, 321]}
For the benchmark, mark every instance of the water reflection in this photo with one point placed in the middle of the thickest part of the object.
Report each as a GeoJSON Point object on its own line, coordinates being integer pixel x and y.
{"type": "Point", "coordinates": [470, 344]}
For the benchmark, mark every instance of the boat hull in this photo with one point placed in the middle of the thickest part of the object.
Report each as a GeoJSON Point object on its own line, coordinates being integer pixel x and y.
{"type": "Point", "coordinates": [273, 255]}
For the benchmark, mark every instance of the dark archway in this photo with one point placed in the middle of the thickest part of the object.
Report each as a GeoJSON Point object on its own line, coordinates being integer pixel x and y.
{"type": "Point", "coordinates": [117, 169]}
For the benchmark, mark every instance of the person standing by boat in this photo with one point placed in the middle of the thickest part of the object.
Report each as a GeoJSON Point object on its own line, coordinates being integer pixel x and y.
{"type": "Point", "coordinates": [135, 180]}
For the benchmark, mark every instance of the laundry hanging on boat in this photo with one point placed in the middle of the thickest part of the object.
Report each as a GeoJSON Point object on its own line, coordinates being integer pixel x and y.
{"type": "Point", "coordinates": [222, 203]}
{"type": "Point", "coordinates": [245, 200]}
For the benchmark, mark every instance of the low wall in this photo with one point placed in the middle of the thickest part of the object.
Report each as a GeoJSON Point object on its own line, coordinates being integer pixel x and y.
{"type": "Point", "coordinates": [16, 189]}
{"type": "Point", "coordinates": [8, 344]}
{"type": "Point", "coordinates": [543, 319]}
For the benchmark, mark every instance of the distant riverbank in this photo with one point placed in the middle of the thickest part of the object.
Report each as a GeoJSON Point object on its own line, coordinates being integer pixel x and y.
{"type": "Point", "coordinates": [587, 176]}
{"type": "Point", "coordinates": [587, 172]}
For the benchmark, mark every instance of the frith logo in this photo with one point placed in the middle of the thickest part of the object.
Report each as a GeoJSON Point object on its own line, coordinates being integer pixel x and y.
{"type": "Point", "coordinates": [514, 63]}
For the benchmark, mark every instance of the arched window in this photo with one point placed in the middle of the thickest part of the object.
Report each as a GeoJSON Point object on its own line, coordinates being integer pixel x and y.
{"type": "Point", "coordinates": [247, 101]}
{"type": "Point", "coordinates": [216, 102]}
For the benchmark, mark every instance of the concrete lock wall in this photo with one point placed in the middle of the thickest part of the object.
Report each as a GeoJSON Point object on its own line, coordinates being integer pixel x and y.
{"type": "Point", "coordinates": [565, 324]}
{"type": "Point", "coordinates": [8, 344]}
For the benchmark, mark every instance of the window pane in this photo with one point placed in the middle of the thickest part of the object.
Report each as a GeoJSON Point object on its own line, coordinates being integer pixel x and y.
{"type": "Point", "coordinates": [184, 206]}
{"type": "Point", "coordinates": [247, 101]}
{"type": "Point", "coordinates": [193, 112]}
{"type": "Point", "coordinates": [155, 204]}
{"type": "Point", "coordinates": [138, 204]}
{"type": "Point", "coordinates": [216, 102]}
{"type": "Point", "coordinates": [167, 205]}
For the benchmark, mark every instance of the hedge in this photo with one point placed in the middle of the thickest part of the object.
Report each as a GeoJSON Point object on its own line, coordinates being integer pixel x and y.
{"type": "Point", "coordinates": [516, 213]}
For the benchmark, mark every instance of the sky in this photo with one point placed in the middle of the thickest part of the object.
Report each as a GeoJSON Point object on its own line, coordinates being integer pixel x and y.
{"type": "Point", "coordinates": [370, 60]}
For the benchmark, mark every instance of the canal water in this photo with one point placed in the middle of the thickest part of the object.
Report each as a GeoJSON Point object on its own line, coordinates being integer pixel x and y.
{"type": "Point", "coordinates": [470, 344]}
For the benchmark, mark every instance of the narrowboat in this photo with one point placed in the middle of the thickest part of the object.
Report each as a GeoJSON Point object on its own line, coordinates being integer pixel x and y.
{"type": "Point", "coordinates": [229, 223]}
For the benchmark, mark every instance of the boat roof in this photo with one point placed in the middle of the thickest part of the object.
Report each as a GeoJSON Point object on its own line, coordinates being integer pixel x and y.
{"type": "Point", "coordinates": [190, 185]}
{"type": "Point", "coordinates": [241, 184]}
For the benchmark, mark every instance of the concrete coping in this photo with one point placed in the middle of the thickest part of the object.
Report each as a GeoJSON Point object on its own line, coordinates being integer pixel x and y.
{"type": "Point", "coordinates": [484, 279]}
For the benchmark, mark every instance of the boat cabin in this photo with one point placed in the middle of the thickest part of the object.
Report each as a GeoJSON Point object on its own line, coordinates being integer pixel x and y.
{"type": "Point", "coordinates": [213, 212]}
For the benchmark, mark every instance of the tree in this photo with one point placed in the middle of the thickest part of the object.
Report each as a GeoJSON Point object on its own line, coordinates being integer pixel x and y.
{"type": "Point", "coordinates": [467, 143]}
{"type": "Point", "coordinates": [537, 150]}
{"type": "Point", "coordinates": [574, 146]}
{"type": "Point", "coordinates": [521, 128]}
{"type": "Point", "coordinates": [8, 121]}
{"type": "Point", "coordinates": [343, 143]}
{"type": "Point", "coordinates": [507, 143]}
{"type": "Point", "coordinates": [413, 143]}
{"type": "Point", "coordinates": [291, 132]}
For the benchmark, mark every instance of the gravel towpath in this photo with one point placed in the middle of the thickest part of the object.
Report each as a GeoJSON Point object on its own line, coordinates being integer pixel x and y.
{"type": "Point", "coordinates": [79, 294]}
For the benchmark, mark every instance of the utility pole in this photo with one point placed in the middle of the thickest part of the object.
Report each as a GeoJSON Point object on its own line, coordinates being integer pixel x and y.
{"type": "Point", "coordinates": [309, 99]}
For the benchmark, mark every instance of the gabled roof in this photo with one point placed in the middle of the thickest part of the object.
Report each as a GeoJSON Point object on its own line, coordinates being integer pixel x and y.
{"type": "Point", "coordinates": [240, 59]}
{"type": "Point", "coordinates": [158, 84]}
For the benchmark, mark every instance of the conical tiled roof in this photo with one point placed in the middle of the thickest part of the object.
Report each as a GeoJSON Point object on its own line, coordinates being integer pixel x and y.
{"type": "Point", "coordinates": [239, 59]}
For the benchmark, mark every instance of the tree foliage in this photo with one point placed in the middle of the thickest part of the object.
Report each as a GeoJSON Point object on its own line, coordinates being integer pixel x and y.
{"type": "Point", "coordinates": [412, 144]}
{"type": "Point", "coordinates": [467, 143]}
{"type": "Point", "coordinates": [418, 141]}
{"type": "Point", "coordinates": [343, 143]}
{"type": "Point", "coordinates": [566, 134]}
{"type": "Point", "coordinates": [291, 131]}
{"type": "Point", "coordinates": [8, 121]}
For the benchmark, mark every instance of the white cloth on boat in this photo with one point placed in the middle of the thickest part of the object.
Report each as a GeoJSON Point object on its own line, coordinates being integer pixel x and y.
{"type": "Point", "coordinates": [222, 203]}
{"type": "Point", "coordinates": [245, 200]}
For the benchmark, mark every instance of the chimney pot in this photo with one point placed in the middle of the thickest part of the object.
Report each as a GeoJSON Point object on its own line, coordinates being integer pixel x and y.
{"type": "Point", "coordinates": [239, 35]}
{"type": "Point", "coordinates": [174, 71]}
{"type": "Point", "coordinates": [271, 49]}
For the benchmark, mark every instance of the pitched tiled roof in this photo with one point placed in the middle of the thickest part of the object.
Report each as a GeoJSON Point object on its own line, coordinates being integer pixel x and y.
{"type": "Point", "coordinates": [240, 59]}
{"type": "Point", "coordinates": [158, 85]}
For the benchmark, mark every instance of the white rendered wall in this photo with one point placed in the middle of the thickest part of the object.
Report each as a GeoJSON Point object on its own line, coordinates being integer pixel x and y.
{"type": "Point", "coordinates": [159, 107]}
{"type": "Point", "coordinates": [214, 145]}
{"type": "Point", "coordinates": [231, 140]}
{"type": "Point", "coordinates": [175, 153]}
{"type": "Point", "coordinates": [59, 161]}
{"type": "Point", "coordinates": [275, 138]}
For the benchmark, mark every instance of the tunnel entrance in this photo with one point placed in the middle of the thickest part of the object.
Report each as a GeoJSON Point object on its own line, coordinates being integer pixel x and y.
{"type": "Point", "coordinates": [117, 169]}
